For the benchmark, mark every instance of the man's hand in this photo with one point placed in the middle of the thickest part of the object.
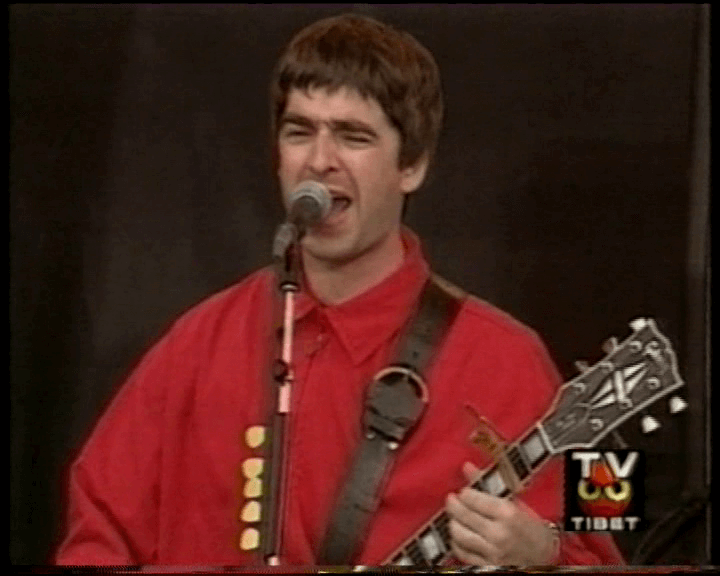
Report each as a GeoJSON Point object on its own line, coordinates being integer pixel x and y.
{"type": "Point", "coordinates": [487, 530]}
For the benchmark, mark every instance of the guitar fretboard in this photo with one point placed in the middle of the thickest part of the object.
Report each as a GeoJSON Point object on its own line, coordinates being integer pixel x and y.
{"type": "Point", "coordinates": [430, 546]}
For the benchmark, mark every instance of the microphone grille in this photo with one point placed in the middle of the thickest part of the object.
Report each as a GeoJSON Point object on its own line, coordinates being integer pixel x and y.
{"type": "Point", "coordinates": [313, 190]}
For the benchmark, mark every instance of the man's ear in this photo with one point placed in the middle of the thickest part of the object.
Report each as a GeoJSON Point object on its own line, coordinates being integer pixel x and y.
{"type": "Point", "coordinates": [413, 176]}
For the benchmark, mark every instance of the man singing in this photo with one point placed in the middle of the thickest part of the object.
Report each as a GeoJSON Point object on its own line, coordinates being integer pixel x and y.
{"type": "Point", "coordinates": [171, 473]}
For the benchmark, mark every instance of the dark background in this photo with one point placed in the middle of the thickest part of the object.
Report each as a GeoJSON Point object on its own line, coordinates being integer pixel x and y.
{"type": "Point", "coordinates": [571, 190]}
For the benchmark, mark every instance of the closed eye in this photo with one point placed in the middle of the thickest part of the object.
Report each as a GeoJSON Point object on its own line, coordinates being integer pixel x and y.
{"type": "Point", "coordinates": [356, 138]}
{"type": "Point", "coordinates": [294, 132]}
{"type": "Point", "coordinates": [354, 132]}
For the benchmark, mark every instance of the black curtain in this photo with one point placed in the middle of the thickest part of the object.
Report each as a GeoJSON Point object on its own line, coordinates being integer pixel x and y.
{"type": "Point", "coordinates": [569, 190]}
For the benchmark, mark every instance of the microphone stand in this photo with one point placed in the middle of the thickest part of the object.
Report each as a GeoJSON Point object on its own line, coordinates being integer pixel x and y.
{"type": "Point", "coordinates": [287, 262]}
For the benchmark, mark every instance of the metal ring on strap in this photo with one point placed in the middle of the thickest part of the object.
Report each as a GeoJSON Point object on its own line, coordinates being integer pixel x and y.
{"type": "Point", "coordinates": [412, 376]}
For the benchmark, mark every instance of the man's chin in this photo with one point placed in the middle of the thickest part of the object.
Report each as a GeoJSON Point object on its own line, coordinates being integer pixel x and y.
{"type": "Point", "coordinates": [333, 252]}
{"type": "Point", "coordinates": [340, 250]}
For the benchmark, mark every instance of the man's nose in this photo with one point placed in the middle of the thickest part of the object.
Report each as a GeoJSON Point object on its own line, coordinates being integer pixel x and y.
{"type": "Point", "coordinates": [323, 153]}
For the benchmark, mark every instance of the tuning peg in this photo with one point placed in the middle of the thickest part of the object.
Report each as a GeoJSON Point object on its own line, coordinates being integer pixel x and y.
{"type": "Point", "coordinates": [582, 365]}
{"type": "Point", "coordinates": [638, 324]}
{"type": "Point", "coordinates": [677, 404]}
{"type": "Point", "coordinates": [649, 424]}
{"type": "Point", "coordinates": [610, 345]}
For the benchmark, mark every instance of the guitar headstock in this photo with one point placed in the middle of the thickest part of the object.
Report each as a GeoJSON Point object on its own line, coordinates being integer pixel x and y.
{"type": "Point", "coordinates": [633, 375]}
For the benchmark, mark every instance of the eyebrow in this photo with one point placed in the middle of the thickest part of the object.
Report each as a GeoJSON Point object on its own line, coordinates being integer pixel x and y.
{"type": "Point", "coordinates": [338, 125]}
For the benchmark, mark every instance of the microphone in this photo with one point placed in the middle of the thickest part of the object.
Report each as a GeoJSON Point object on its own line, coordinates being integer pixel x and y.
{"type": "Point", "coordinates": [310, 202]}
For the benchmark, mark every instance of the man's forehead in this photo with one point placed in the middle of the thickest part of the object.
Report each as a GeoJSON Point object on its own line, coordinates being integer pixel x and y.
{"type": "Point", "coordinates": [342, 103]}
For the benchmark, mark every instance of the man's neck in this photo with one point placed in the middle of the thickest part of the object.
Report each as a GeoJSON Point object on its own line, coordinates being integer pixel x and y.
{"type": "Point", "coordinates": [337, 282]}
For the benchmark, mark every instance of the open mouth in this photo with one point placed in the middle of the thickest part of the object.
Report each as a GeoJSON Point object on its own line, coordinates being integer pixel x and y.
{"type": "Point", "coordinates": [339, 205]}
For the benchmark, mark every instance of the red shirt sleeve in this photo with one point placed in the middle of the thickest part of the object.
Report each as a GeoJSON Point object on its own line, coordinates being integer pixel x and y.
{"type": "Point", "coordinates": [113, 484]}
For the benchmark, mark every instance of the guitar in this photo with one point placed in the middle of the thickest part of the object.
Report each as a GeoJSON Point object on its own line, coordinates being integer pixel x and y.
{"type": "Point", "coordinates": [633, 375]}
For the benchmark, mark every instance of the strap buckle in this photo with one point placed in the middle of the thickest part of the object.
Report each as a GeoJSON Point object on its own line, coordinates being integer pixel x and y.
{"type": "Point", "coordinates": [396, 399]}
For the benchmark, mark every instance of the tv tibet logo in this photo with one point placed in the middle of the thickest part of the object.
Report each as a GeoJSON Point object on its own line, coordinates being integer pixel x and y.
{"type": "Point", "coordinates": [604, 490]}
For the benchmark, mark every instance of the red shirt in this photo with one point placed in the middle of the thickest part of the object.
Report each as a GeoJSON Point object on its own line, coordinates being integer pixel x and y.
{"type": "Point", "coordinates": [160, 479]}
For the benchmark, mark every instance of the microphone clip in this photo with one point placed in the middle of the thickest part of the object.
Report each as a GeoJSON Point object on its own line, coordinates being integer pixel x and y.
{"type": "Point", "coordinates": [287, 234]}
{"type": "Point", "coordinates": [285, 255]}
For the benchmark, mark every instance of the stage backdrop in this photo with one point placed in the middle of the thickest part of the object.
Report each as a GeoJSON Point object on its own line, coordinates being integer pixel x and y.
{"type": "Point", "coordinates": [570, 190]}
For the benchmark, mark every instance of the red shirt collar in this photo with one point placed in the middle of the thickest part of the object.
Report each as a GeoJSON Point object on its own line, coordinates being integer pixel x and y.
{"type": "Point", "coordinates": [363, 323]}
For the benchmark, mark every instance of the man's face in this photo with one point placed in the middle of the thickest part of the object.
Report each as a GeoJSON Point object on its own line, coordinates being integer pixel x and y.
{"type": "Point", "coordinates": [346, 142]}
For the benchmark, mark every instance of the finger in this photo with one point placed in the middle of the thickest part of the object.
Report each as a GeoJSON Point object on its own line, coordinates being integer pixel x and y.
{"type": "Point", "coordinates": [482, 503]}
{"type": "Point", "coordinates": [474, 548]}
{"type": "Point", "coordinates": [471, 472]}
{"type": "Point", "coordinates": [472, 520]}
{"type": "Point", "coordinates": [467, 557]}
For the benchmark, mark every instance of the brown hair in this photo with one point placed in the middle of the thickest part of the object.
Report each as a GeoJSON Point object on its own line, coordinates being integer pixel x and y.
{"type": "Point", "coordinates": [378, 61]}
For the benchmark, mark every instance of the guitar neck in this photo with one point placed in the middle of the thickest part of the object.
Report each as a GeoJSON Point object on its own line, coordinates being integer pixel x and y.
{"type": "Point", "coordinates": [430, 546]}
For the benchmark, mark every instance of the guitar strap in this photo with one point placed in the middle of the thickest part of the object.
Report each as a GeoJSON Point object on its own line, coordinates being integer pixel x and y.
{"type": "Point", "coordinates": [395, 401]}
